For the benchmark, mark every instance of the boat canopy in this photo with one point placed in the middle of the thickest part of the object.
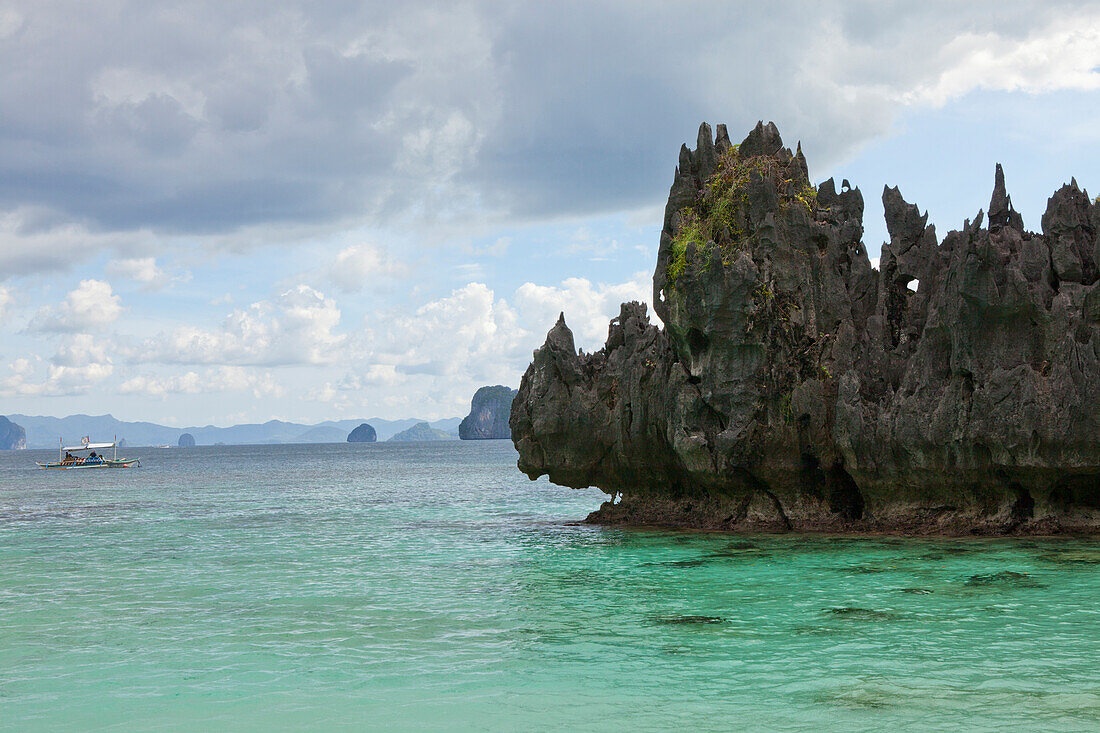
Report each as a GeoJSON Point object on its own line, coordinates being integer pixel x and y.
{"type": "Point", "coordinates": [89, 446]}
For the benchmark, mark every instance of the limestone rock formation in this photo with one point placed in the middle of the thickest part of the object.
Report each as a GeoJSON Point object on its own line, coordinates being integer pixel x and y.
{"type": "Point", "coordinates": [489, 412]}
{"type": "Point", "coordinates": [363, 434]}
{"type": "Point", "coordinates": [187, 440]}
{"type": "Point", "coordinates": [420, 432]}
{"type": "Point", "coordinates": [952, 390]}
{"type": "Point", "coordinates": [12, 436]}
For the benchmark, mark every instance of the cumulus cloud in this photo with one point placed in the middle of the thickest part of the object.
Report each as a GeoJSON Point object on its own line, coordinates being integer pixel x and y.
{"type": "Point", "coordinates": [587, 307]}
{"type": "Point", "coordinates": [6, 300]}
{"type": "Point", "coordinates": [82, 361]}
{"type": "Point", "coordinates": [295, 327]}
{"type": "Point", "coordinates": [471, 332]}
{"type": "Point", "coordinates": [428, 359]}
{"type": "Point", "coordinates": [91, 306]}
{"type": "Point", "coordinates": [81, 350]}
{"type": "Point", "coordinates": [362, 264]}
{"type": "Point", "coordinates": [26, 377]}
{"type": "Point", "coordinates": [475, 336]}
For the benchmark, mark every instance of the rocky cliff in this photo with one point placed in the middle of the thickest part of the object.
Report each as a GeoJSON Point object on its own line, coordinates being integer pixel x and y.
{"type": "Point", "coordinates": [363, 434]}
{"type": "Point", "coordinates": [953, 389]}
{"type": "Point", "coordinates": [489, 413]}
{"type": "Point", "coordinates": [12, 436]}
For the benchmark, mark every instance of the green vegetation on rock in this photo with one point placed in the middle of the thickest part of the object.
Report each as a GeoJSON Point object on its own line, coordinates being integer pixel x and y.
{"type": "Point", "coordinates": [719, 217]}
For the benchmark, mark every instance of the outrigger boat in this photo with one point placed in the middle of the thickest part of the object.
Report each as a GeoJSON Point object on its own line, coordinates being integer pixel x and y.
{"type": "Point", "coordinates": [65, 458]}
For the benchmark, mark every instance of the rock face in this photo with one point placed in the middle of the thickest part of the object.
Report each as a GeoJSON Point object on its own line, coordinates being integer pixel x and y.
{"type": "Point", "coordinates": [187, 440]}
{"type": "Point", "coordinates": [12, 436]}
{"type": "Point", "coordinates": [489, 412]}
{"type": "Point", "coordinates": [952, 390]}
{"type": "Point", "coordinates": [422, 431]}
{"type": "Point", "coordinates": [363, 434]}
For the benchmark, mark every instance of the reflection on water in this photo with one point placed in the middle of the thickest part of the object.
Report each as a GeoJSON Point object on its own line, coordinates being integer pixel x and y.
{"type": "Point", "coordinates": [434, 587]}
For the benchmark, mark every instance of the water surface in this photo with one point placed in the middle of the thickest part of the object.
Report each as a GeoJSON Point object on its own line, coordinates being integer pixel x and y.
{"type": "Point", "coordinates": [433, 587]}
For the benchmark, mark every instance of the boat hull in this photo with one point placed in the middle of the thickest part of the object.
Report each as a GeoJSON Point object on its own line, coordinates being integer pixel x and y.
{"type": "Point", "coordinates": [106, 463]}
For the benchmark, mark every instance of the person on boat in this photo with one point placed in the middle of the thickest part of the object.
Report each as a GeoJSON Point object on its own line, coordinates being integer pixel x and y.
{"type": "Point", "coordinates": [68, 457]}
{"type": "Point", "coordinates": [93, 456]}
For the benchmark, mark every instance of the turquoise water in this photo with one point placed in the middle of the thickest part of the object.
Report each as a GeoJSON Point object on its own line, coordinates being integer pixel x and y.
{"type": "Point", "coordinates": [433, 587]}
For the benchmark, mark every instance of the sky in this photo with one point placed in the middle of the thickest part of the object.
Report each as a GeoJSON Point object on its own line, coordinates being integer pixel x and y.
{"type": "Point", "coordinates": [214, 213]}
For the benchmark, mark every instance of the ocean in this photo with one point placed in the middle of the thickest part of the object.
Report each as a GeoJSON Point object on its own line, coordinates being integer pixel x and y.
{"type": "Point", "coordinates": [433, 587]}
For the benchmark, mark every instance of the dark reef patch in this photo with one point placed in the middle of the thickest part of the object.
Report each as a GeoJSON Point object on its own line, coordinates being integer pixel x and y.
{"type": "Point", "coordinates": [1003, 579]}
{"type": "Point", "coordinates": [689, 620]}
{"type": "Point", "coordinates": [861, 614]}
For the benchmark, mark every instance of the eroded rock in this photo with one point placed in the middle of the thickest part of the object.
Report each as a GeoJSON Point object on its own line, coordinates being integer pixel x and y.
{"type": "Point", "coordinates": [490, 409]}
{"type": "Point", "coordinates": [795, 387]}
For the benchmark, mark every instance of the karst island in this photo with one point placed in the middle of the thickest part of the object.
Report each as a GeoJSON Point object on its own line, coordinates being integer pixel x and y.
{"type": "Point", "coordinates": [952, 390]}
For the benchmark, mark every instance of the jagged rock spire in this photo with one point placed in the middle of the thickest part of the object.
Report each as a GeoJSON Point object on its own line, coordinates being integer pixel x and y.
{"type": "Point", "coordinates": [1001, 213]}
{"type": "Point", "coordinates": [763, 140]}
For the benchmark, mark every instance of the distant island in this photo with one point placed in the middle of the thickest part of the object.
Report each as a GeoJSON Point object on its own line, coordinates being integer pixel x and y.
{"type": "Point", "coordinates": [363, 434]}
{"type": "Point", "coordinates": [187, 440]}
{"type": "Point", "coordinates": [44, 432]}
{"type": "Point", "coordinates": [421, 432]}
{"type": "Point", "coordinates": [489, 412]}
{"type": "Point", "coordinates": [12, 435]}
{"type": "Point", "coordinates": [952, 390]}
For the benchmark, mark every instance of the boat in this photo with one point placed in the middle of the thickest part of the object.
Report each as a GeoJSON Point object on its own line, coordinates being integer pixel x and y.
{"type": "Point", "coordinates": [66, 458]}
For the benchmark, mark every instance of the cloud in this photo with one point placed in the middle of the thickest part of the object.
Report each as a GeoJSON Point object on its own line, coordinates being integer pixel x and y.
{"type": "Point", "coordinates": [295, 327]}
{"type": "Point", "coordinates": [92, 306]}
{"type": "Point", "coordinates": [31, 377]}
{"type": "Point", "coordinates": [6, 300]}
{"type": "Point", "coordinates": [469, 333]}
{"type": "Point", "coordinates": [82, 361]}
{"type": "Point", "coordinates": [222, 379]}
{"type": "Point", "coordinates": [187, 383]}
{"type": "Point", "coordinates": [363, 264]}
{"type": "Point", "coordinates": [312, 114]}
{"type": "Point", "coordinates": [142, 270]}
{"type": "Point", "coordinates": [588, 307]}
{"type": "Point", "coordinates": [426, 360]}
{"type": "Point", "coordinates": [82, 350]}
{"type": "Point", "coordinates": [1064, 55]}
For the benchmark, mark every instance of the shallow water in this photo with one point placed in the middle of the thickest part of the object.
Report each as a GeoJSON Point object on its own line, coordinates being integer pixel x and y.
{"type": "Point", "coordinates": [425, 586]}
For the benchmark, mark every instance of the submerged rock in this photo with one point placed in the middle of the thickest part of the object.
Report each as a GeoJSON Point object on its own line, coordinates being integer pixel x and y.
{"type": "Point", "coordinates": [363, 434]}
{"type": "Point", "coordinates": [793, 386]}
{"type": "Point", "coordinates": [861, 614]}
{"type": "Point", "coordinates": [489, 412]}
{"type": "Point", "coordinates": [689, 620]}
{"type": "Point", "coordinates": [1005, 578]}
{"type": "Point", "coordinates": [12, 435]}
